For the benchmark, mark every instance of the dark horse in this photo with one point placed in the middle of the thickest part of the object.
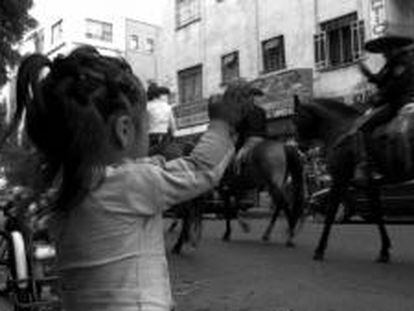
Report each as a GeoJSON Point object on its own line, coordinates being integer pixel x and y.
{"type": "Point", "coordinates": [276, 167]}
{"type": "Point", "coordinates": [333, 123]}
{"type": "Point", "coordinates": [189, 213]}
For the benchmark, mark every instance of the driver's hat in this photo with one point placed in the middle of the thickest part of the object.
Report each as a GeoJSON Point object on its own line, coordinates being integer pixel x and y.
{"type": "Point", "coordinates": [388, 43]}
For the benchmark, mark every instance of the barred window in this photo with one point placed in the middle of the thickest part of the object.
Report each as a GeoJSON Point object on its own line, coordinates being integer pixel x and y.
{"type": "Point", "coordinates": [230, 67]}
{"type": "Point", "coordinates": [273, 54]}
{"type": "Point", "coordinates": [99, 30]}
{"type": "Point", "coordinates": [339, 42]}
{"type": "Point", "coordinates": [134, 42]}
{"type": "Point", "coordinates": [187, 12]}
{"type": "Point", "coordinates": [150, 44]}
{"type": "Point", "coordinates": [190, 87]}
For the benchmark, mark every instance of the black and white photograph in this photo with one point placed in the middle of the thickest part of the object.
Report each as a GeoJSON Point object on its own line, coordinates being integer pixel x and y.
{"type": "Point", "coordinates": [206, 155]}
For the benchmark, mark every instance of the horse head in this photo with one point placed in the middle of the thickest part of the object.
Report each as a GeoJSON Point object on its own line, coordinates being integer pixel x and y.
{"type": "Point", "coordinates": [305, 119]}
{"type": "Point", "coordinates": [322, 119]}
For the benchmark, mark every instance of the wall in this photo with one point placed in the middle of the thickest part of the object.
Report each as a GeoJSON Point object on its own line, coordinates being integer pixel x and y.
{"type": "Point", "coordinates": [347, 82]}
{"type": "Point", "coordinates": [340, 82]}
{"type": "Point", "coordinates": [142, 60]}
{"type": "Point", "coordinates": [400, 15]}
{"type": "Point", "coordinates": [236, 25]}
{"type": "Point", "coordinates": [295, 20]}
{"type": "Point", "coordinates": [229, 26]}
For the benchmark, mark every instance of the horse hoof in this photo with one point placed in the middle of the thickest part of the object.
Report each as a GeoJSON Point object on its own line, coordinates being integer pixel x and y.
{"type": "Point", "coordinates": [265, 238]}
{"type": "Point", "coordinates": [176, 251]}
{"type": "Point", "coordinates": [290, 244]}
{"type": "Point", "coordinates": [225, 238]}
{"type": "Point", "coordinates": [383, 258]}
{"type": "Point", "coordinates": [318, 256]}
{"type": "Point", "coordinates": [245, 227]}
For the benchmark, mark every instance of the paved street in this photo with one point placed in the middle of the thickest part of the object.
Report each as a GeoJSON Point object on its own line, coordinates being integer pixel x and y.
{"type": "Point", "coordinates": [247, 274]}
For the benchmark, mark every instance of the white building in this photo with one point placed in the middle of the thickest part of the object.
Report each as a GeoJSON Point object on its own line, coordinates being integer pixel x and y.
{"type": "Point", "coordinates": [209, 42]}
{"type": "Point", "coordinates": [112, 35]}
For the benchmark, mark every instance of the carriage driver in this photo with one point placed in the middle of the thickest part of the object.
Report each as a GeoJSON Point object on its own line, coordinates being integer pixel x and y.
{"type": "Point", "coordinates": [395, 83]}
{"type": "Point", "coordinates": [252, 132]}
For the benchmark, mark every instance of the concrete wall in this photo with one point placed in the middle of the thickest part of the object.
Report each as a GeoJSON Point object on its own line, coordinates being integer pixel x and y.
{"type": "Point", "coordinates": [400, 14]}
{"type": "Point", "coordinates": [339, 82]}
{"type": "Point", "coordinates": [143, 61]}
{"type": "Point", "coordinates": [236, 25]}
{"type": "Point", "coordinates": [229, 26]}
{"type": "Point", "coordinates": [347, 82]}
{"type": "Point", "coordinates": [293, 19]}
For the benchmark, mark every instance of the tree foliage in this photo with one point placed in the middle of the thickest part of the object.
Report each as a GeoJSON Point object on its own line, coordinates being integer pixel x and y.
{"type": "Point", "coordinates": [14, 22]}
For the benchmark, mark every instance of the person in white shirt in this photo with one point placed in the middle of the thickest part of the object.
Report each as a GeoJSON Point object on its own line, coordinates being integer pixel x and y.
{"type": "Point", "coordinates": [160, 116]}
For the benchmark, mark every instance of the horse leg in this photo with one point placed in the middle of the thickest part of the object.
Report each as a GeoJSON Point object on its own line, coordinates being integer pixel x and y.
{"type": "Point", "coordinates": [280, 203]}
{"type": "Point", "coordinates": [333, 204]}
{"type": "Point", "coordinates": [244, 225]}
{"type": "Point", "coordinates": [196, 227]}
{"type": "Point", "coordinates": [270, 226]}
{"type": "Point", "coordinates": [173, 225]}
{"type": "Point", "coordinates": [227, 217]}
{"type": "Point", "coordinates": [180, 241]}
{"type": "Point", "coordinates": [376, 207]}
{"type": "Point", "coordinates": [184, 233]}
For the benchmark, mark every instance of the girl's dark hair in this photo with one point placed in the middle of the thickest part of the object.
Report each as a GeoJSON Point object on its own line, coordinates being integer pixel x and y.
{"type": "Point", "coordinates": [154, 91]}
{"type": "Point", "coordinates": [67, 113]}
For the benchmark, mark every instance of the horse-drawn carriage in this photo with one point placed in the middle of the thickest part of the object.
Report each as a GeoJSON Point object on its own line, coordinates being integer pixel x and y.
{"type": "Point", "coordinates": [27, 256]}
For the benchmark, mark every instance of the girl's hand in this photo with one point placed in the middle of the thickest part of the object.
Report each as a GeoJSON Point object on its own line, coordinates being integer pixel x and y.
{"type": "Point", "coordinates": [236, 103]}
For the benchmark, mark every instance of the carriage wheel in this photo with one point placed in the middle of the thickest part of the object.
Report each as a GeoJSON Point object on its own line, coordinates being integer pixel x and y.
{"type": "Point", "coordinates": [8, 275]}
{"type": "Point", "coordinates": [5, 264]}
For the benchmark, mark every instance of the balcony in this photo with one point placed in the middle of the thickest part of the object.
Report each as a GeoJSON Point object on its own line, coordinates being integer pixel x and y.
{"type": "Point", "coordinates": [191, 114]}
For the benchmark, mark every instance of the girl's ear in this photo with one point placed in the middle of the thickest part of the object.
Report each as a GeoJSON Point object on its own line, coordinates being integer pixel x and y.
{"type": "Point", "coordinates": [124, 131]}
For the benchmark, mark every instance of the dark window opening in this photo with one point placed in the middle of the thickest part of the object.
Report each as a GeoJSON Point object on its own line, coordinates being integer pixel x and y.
{"type": "Point", "coordinates": [230, 67]}
{"type": "Point", "coordinates": [274, 54]}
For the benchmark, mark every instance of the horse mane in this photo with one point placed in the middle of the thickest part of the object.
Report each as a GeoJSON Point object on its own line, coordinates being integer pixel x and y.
{"type": "Point", "coordinates": [332, 106]}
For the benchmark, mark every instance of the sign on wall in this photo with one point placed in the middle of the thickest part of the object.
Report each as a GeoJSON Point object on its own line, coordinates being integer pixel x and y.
{"type": "Point", "coordinates": [191, 115]}
{"type": "Point", "coordinates": [378, 18]}
{"type": "Point", "coordinates": [279, 89]}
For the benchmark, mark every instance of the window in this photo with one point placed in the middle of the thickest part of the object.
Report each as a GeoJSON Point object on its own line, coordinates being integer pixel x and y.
{"type": "Point", "coordinates": [98, 30]}
{"type": "Point", "coordinates": [150, 45]}
{"type": "Point", "coordinates": [190, 85]}
{"type": "Point", "coordinates": [339, 42]}
{"type": "Point", "coordinates": [134, 42]}
{"type": "Point", "coordinates": [187, 11]}
{"type": "Point", "coordinates": [230, 67]}
{"type": "Point", "coordinates": [39, 40]}
{"type": "Point", "coordinates": [273, 54]}
{"type": "Point", "coordinates": [57, 31]}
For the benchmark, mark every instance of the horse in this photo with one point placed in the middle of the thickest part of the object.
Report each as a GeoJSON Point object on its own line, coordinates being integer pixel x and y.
{"type": "Point", "coordinates": [334, 124]}
{"type": "Point", "coordinates": [276, 167]}
{"type": "Point", "coordinates": [189, 213]}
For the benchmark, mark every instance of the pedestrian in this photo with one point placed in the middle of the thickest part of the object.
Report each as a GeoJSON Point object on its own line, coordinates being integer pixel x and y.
{"type": "Point", "coordinates": [395, 83]}
{"type": "Point", "coordinates": [160, 117]}
{"type": "Point", "coordinates": [88, 117]}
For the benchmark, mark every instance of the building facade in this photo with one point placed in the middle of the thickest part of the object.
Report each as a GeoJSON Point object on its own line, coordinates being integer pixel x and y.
{"type": "Point", "coordinates": [207, 43]}
{"type": "Point", "coordinates": [112, 35]}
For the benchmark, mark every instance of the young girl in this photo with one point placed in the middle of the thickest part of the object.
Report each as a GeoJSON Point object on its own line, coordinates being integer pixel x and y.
{"type": "Point", "coordinates": [86, 113]}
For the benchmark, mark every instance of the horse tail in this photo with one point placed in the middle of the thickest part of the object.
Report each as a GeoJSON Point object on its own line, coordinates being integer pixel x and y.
{"type": "Point", "coordinates": [294, 169]}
